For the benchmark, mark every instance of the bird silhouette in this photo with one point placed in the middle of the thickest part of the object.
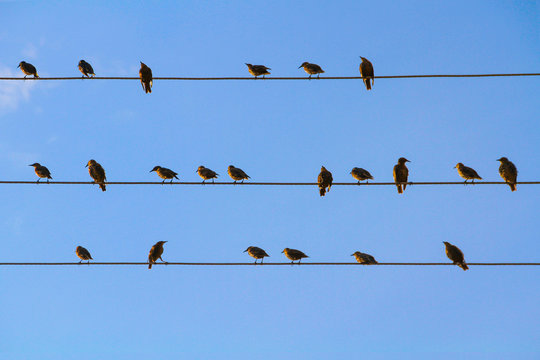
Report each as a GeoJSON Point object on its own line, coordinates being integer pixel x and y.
{"type": "Point", "coordinates": [361, 174]}
{"type": "Point", "coordinates": [41, 171]}
{"type": "Point", "coordinates": [155, 253]}
{"type": "Point", "coordinates": [206, 174]}
{"type": "Point", "coordinates": [401, 175]}
{"type": "Point", "coordinates": [324, 181]}
{"type": "Point", "coordinates": [364, 258]}
{"type": "Point", "coordinates": [97, 173]}
{"type": "Point", "coordinates": [366, 71]}
{"type": "Point", "coordinates": [28, 69]}
{"type": "Point", "coordinates": [294, 255]}
{"type": "Point", "coordinates": [508, 172]}
{"type": "Point", "coordinates": [83, 254]}
{"type": "Point", "coordinates": [256, 253]}
{"type": "Point", "coordinates": [455, 254]}
{"type": "Point", "coordinates": [237, 174]}
{"type": "Point", "coordinates": [145, 73]}
{"type": "Point", "coordinates": [311, 69]}
{"type": "Point", "coordinates": [258, 70]}
{"type": "Point", "coordinates": [165, 173]}
{"type": "Point", "coordinates": [86, 69]}
{"type": "Point", "coordinates": [467, 173]}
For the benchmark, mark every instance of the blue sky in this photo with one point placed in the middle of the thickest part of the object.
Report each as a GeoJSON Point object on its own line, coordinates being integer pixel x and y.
{"type": "Point", "coordinates": [275, 131]}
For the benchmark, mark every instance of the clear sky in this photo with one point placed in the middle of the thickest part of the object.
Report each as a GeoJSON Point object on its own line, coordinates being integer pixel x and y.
{"type": "Point", "coordinates": [275, 131]}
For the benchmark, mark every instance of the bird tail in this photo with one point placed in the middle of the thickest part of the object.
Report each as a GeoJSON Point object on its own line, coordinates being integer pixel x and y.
{"type": "Point", "coordinates": [322, 191]}
{"type": "Point", "coordinates": [36, 75]}
{"type": "Point", "coordinates": [512, 186]}
{"type": "Point", "coordinates": [368, 84]}
{"type": "Point", "coordinates": [150, 265]}
{"type": "Point", "coordinates": [399, 189]}
{"type": "Point", "coordinates": [463, 266]}
{"type": "Point", "coordinates": [102, 186]}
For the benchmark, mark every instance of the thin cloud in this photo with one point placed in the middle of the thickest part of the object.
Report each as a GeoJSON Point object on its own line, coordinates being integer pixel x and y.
{"type": "Point", "coordinates": [13, 93]}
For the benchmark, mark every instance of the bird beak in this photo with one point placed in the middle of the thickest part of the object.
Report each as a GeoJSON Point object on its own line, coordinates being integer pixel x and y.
{"type": "Point", "coordinates": [151, 170]}
{"type": "Point", "coordinates": [407, 161]}
{"type": "Point", "coordinates": [29, 165]}
{"type": "Point", "coordinates": [19, 65]}
{"type": "Point", "coordinates": [454, 167]}
{"type": "Point", "coordinates": [352, 254]}
{"type": "Point", "coordinates": [283, 251]}
{"type": "Point", "coordinates": [86, 165]}
{"type": "Point", "coordinates": [300, 66]}
{"type": "Point", "coordinates": [245, 250]}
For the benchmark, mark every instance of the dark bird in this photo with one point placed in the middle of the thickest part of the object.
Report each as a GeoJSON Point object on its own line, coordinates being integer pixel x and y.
{"type": "Point", "coordinates": [401, 174]}
{"type": "Point", "coordinates": [83, 254]}
{"type": "Point", "coordinates": [366, 71]}
{"type": "Point", "coordinates": [311, 69]}
{"type": "Point", "coordinates": [364, 258]}
{"type": "Point", "coordinates": [145, 73]}
{"type": "Point", "coordinates": [455, 255]}
{"type": "Point", "coordinates": [86, 69]}
{"type": "Point", "coordinates": [361, 174]}
{"type": "Point", "coordinates": [508, 172]}
{"type": "Point", "coordinates": [207, 174]}
{"type": "Point", "coordinates": [466, 172]}
{"type": "Point", "coordinates": [28, 69]}
{"type": "Point", "coordinates": [294, 255]}
{"type": "Point", "coordinates": [165, 173]}
{"type": "Point", "coordinates": [324, 180]}
{"type": "Point", "coordinates": [155, 253]}
{"type": "Point", "coordinates": [257, 70]}
{"type": "Point", "coordinates": [257, 253]}
{"type": "Point", "coordinates": [97, 173]}
{"type": "Point", "coordinates": [237, 174]}
{"type": "Point", "coordinates": [41, 171]}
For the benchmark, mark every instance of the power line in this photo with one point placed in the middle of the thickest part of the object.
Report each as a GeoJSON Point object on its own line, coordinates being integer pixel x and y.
{"type": "Point", "coordinates": [277, 78]}
{"type": "Point", "coordinates": [264, 183]}
{"type": "Point", "coordinates": [264, 264]}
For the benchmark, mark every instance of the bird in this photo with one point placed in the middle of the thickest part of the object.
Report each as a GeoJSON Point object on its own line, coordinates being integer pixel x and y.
{"type": "Point", "coordinates": [41, 171]}
{"type": "Point", "coordinates": [237, 174]}
{"type": "Point", "coordinates": [28, 69]}
{"type": "Point", "coordinates": [466, 172]}
{"type": "Point", "coordinates": [366, 71]}
{"type": "Point", "coordinates": [165, 173]}
{"type": "Point", "coordinates": [86, 69]}
{"type": "Point", "coordinates": [455, 255]}
{"type": "Point", "coordinates": [294, 255]}
{"type": "Point", "coordinates": [401, 174]}
{"type": "Point", "coordinates": [311, 69]}
{"type": "Point", "coordinates": [206, 174]}
{"type": "Point", "coordinates": [257, 70]}
{"type": "Point", "coordinates": [508, 172]}
{"type": "Point", "coordinates": [83, 254]}
{"type": "Point", "coordinates": [145, 73]}
{"type": "Point", "coordinates": [361, 174]}
{"type": "Point", "coordinates": [324, 180]}
{"type": "Point", "coordinates": [155, 253]}
{"type": "Point", "coordinates": [97, 173]}
{"type": "Point", "coordinates": [364, 258]}
{"type": "Point", "coordinates": [257, 253]}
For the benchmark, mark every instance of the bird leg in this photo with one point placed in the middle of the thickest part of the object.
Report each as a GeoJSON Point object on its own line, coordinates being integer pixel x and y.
{"type": "Point", "coordinates": [163, 182]}
{"type": "Point", "coordinates": [38, 180]}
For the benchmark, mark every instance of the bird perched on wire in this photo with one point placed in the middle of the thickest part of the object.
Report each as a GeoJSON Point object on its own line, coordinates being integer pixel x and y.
{"type": "Point", "coordinates": [206, 174]}
{"type": "Point", "coordinates": [324, 180]}
{"type": "Point", "coordinates": [97, 173]}
{"type": "Point", "coordinates": [145, 73]}
{"type": "Point", "coordinates": [361, 174]}
{"type": "Point", "coordinates": [467, 173]}
{"type": "Point", "coordinates": [41, 171]}
{"type": "Point", "coordinates": [165, 173]}
{"type": "Point", "coordinates": [155, 253]}
{"type": "Point", "coordinates": [294, 255]}
{"type": "Point", "coordinates": [366, 72]}
{"type": "Point", "coordinates": [455, 255]}
{"type": "Point", "coordinates": [258, 70]}
{"type": "Point", "coordinates": [237, 174]}
{"type": "Point", "coordinates": [508, 172]}
{"type": "Point", "coordinates": [311, 69]}
{"type": "Point", "coordinates": [28, 69]}
{"type": "Point", "coordinates": [364, 258]}
{"type": "Point", "coordinates": [401, 174]}
{"type": "Point", "coordinates": [86, 69]}
{"type": "Point", "coordinates": [256, 253]}
{"type": "Point", "coordinates": [83, 254]}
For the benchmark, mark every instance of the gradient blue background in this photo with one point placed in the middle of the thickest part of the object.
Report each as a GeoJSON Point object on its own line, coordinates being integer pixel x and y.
{"type": "Point", "coordinates": [275, 131]}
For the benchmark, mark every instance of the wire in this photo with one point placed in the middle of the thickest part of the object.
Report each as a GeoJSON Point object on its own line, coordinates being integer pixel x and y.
{"type": "Point", "coordinates": [264, 183]}
{"type": "Point", "coordinates": [252, 264]}
{"type": "Point", "coordinates": [275, 78]}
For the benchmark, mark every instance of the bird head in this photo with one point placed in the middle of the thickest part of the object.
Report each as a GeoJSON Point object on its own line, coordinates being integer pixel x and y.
{"type": "Point", "coordinates": [200, 168]}
{"type": "Point", "coordinates": [446, 243]}
{"type": "Point", "coordinates": [363, 59]}
{"type": "Point", "coordinates": [503, 159]}
{"type": "Point", "coordinates": [34, 164]}
{"type": "Point", "coordinates": [20, 64]}
{"type": "Point", "coordinates": [161, 242]}
{"type": "Point", "coordinates": [355, 253]}
{"type": "Point", "coordinates": [458, 165]}
{"type": "Point", "coordinates": [156, 168]}
{"type": "Point", "coordinates": [247, 249]}
{"type": "Point", "coordinates": [303, 64]}
{"type": "Point", "coordinates": [402, 160]}
{"type": "Point", "coordinates": [231, 167]}
{"type": "Point", "coordinates": [248, 65]}
{"type": "Point", "coordinates": [142, 64]}
{"type": "Point", "coordinates": [323, 168]}
{"type": "Point", "coordinates": [91, 162]}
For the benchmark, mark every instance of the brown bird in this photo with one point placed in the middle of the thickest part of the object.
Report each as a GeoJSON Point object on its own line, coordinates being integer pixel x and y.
{"type": "Point", "coordinates": [361, 174]}
{"type": "Point", "coordinates": [366, 71]}
{"type": "Point", "coordinates": [237, 174]}
{"type": "Point", "coordinates": [508, 172]}
{"type": "Point", "coordinates": [294, 255]}
{"type": "Point", "coordinates": [206, 174]}
{"type": "Point", "coordinates": [83, 254]}
{"type": "Point", "coordinates": [41, 171]}
{"type": "Point", "coordinates": [28, 69]}
{"type": "Point", "coordinates": [257, 253]}
{"type": "Point", "coordinates": [155, 253]}
{"type": "Point", "coordinates": [311, 69]}
{"type": "Point", "coordinates": [401, 174]}
{"type": "Point", "coordinates": [165, 173]}
{"type": "Point", "coordinates": [145, 73]}
{"type": "Point", "coordinates": [324, 180]}
{"type": "Point", "coordinates": [455, 255]}
{"type": "Point", "coordinates": [86, 69]}
{"type": "Point", "coordinates": [466, 172]}
{"type": "Point", "coordinates": [364, 258]}
{"type": "Point", "coordinates": [257, 70]}
{"type": "Point", "coordinates": [97, 173]}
